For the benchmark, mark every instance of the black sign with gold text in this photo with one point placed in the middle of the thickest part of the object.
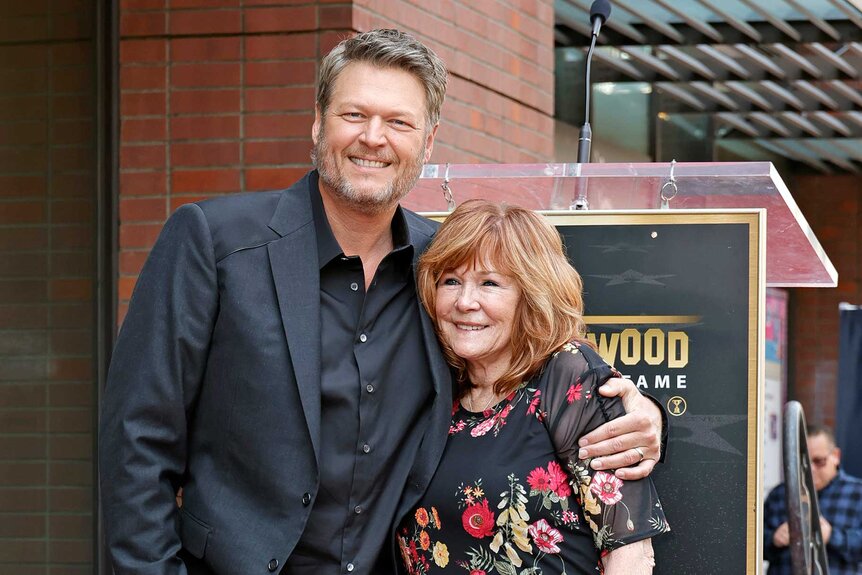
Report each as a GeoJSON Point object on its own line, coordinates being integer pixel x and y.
{"type": "Point", "coordinates": [673, 301]}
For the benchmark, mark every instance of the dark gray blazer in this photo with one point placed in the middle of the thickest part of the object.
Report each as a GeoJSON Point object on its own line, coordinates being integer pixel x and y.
{"type": "Point", "coordinates": [214, 386]}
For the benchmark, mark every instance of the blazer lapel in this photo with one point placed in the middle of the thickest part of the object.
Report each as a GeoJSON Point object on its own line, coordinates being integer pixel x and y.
{"type": "Point", "coordinates": [297, 284]}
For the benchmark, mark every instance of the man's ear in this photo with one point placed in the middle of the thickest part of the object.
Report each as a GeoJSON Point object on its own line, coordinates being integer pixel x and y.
{"type": "Point", "coordinates": [429, 142]}
{"type": "Point", "coordinates": [838, 454]}
{"type": "Point", "coordinates": [315, 127]}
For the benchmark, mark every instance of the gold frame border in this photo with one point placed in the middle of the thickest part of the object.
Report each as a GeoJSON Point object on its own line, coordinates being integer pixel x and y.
{"type": "Point", "coordinates": [756, 221]}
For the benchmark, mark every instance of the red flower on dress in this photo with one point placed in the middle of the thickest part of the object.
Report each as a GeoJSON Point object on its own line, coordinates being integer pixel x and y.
{"type": "Point", "coordinates": [478, 520]}
{"type": "Point", "coordinates": [534, 403]}
{"type": "Point", "coordinates": [545, 536]}
{"type": "Point", "coordinates": [483, 427]}
{"type": "Point", "coordinates": [559, 480]}
{"type": "Point", "coordinates": [607, 487]}
{"type": "Point", "coordinates": [477, 572]}
{"type": "Point", "coordinates": [539, 479]}
{"type": "Point", "coordinates": [574, 393]}
{"type": "Point", "coordinates": [453, 429]}
{"type": "Point", "coordinates": [422, 517]}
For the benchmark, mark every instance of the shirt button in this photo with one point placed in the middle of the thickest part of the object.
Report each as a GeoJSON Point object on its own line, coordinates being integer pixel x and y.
{"type": "Point", "coordinates": [366, 448]}
{"type": "Point", "coordinates": [369, 388]}
{"type": "Point", "coordinates": [350, 567]}
{"type": "Point", "coordinates": [272, 565]}
{"type": "Point", "coordinates": [357, 509]}
{"type": "Point", "coordinates": [306, 499]}
{"type": "Point", "coordinates": [354, 286]}
{"type": "Point", "coordinates": [363, 338]}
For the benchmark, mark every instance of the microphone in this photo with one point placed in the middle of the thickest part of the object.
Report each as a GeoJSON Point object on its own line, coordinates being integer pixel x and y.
{"type": "Point", "coordinates": [600, 11]}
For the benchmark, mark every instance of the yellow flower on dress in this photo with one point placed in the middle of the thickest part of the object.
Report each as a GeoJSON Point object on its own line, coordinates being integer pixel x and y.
{"type": "Point", "coordinates": [424, 540]}
{"type": "Point", "coordinates": [422, 517]}
{"type": "Point", "coordinates": [441, 554]}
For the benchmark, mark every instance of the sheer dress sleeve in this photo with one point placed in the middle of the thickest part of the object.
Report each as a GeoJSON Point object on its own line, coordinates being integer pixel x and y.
{"type": "Point", "coordinates": [618, 512]}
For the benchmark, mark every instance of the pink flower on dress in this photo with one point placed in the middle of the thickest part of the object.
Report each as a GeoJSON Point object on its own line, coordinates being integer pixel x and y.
{"type": "Point", "coordinates": [453, 429]}
{"type": "Point", "coordinates": [534, 403]}
{"type": "Point", "coordinates": [545, 536]}
{"type": "Point", "coordinates": [478, 520]}
{"type": "Point", "coordinates": [483, 427]}
{"type": "Point", "coordinates": [569, 517]}
{"type": "Point", "coordinates": [574, 393]}
{"type": "Point", "coordinates": [539, 479]}
{"type": "Point", "coordinates": [607, 487]}
{"type": "Point", "coordinates": [559, 480]}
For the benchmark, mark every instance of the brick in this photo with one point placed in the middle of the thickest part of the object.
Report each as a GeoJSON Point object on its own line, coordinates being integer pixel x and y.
{"type": "Point", "coordinates": [281, 47]}
{"type": "Point", "coordinates": [71, 289]}
{"type": "Point", "coordinates": [143, 78]}
{"type": "Point", "coordinates": [72, 211]}
{"type": "Point", "coordinates": [66, 106]}
{"type": "Point", "coordinates": [21, 474]}
{"type": "Point", "coordinates": [78, 53]}
{"type": "Point", "coordinates": [336, 16]}
{"type": "Point", "coordinates": [143, 183]}
{"type": "Point", "coordinates": [210, 181]}
{"type": "Point", "coordinates": [143, 129]}
{"type": "Point", "coordinates": [126, 287]}
{"type": "Point", "coordinates": [129, 5]}
{"type": "Point", "coordinates": [71, 237]}
{"type": "Point", "coordinates": [205, 75]}
{"type": "Point", "coordinates": [23, 343]}
{"type": "Point", "coordinates": [178, 4]}
{"type": "Point", "coordinates": [23, 500]}
{"type": "Point", "coordinates": [139, 235]}
{"type": "Point", "coordinates": [271, 178]}
{"type": "Point", "coordinates": [69, 159]}
{"type": "Point", "coordinates": [25, 133]}
{"type": "Point", "coordinates": [22, 395]}
{"type": "Point", "coordinates": [21, 421]}
{"type": "Point", "coordinates": [131, 262]}
{"type": "Point", "coordinates": [143, 51]}
{"type": "Point", "coordinates": [24, 81]}
{"type": "Point", "coordinates": [77, 446]}
{"type": "Point", "coordinates": [33, 107]}
{"type": "Point", "coordinates": [206, 22]}
{"type": "Point", "coordinates": [205, 127]}
{"type": "Point", "coordinates": [148, 104]}
{"type": "Point", "coordinates": [80, 264]}
{"type": "Point", "coordinates": [277, 152]}
{"type": "Point", "coordinates": [142, 156]}
{"type": "Point", "coordinates": [72, 26]}
{"type": "Point", "coordinates": [278, 99]}
{"type": "Point", "coordinates": [22, 526]}
{"type": "Point", "coordinates": [142, 24]}
{"type": "Point", "coordinates": [74, 420]}
{"type": "Point", "coordinates": [25, 29]}
{"type": "Point", "coordinates": [71, 342]}
{"type": "Point", "coordinates": [23, 291]}
{"type": "Point", "coordinates": [70, 499]}
{"type": "Point", "coordinates": [280, 19]}
{"type": "Point", "coordinates": [70, 526]}
{"type": "Point", "coordinates": [70, 551]}
{"type": "Point", "coordinates": [22, 265]}
{"type": "Point", "coordinates": [279, 73]}
{"type": "Point", "coordinates": [22, 551]}
{"type": "Point", "coordinates": [22, 186]}
{"type": "Point", "coordinates": [205, 49]}
{"type": "Point", "coordinates": [70, 473]}
{"type": "Point", "coordinates": [22, 212]}
{"type": "Point", "coordinates": [278, 125]}
{"type": "Point", "coordinates": [205, 101]}
{"type": "Point", "coordinates": [142, 210]}
{"type": "Point", "coordinates": [201, 154]}
{"type": "Point", "coordinates": [23, 239]}
{"type": "Point", "coordinates": [72, 132]}
{"type": "Point", "coordinates": [23, 160]}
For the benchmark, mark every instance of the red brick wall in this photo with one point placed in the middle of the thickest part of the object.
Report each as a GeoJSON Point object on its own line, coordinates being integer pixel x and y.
{"type": "Point", "coordinates": [217, 96]}
{"type": "Point", "coordinates": [833, 207]}
{"type": "Point", "coordinates": [46, 286]}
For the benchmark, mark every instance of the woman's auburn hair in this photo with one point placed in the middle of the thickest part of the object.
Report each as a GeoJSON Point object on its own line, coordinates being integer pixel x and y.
{"type": "Point", "coordinates": [521, 244]}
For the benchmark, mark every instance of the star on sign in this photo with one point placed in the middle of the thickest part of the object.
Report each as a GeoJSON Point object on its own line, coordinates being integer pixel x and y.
{"type": "Point", "coordinates": [703, 434]}
{"type": "Point", "coordinates": [631, 277]}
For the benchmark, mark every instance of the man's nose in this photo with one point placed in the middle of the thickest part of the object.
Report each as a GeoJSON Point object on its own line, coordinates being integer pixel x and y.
{"type": "Point", "coordinates": [374, 134]}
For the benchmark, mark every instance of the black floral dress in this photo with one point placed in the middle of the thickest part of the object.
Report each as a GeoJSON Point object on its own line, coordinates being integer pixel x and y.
{"type": "Point", "coordinates": [510, 495]}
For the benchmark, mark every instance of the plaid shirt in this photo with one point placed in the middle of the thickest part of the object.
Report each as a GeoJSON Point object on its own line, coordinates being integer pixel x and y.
{"type": "Point", "coordinates": [841, 505]}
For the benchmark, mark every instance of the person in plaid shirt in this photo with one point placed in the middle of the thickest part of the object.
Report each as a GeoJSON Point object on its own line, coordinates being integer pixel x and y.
{"type": "Point", "coordinates": [840, 499]}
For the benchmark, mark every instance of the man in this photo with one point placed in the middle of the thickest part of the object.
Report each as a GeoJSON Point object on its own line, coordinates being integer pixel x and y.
{"type": "Point", "coordinates": [276, 364]}
{"type": "Point", "coordinates": [840, 498]}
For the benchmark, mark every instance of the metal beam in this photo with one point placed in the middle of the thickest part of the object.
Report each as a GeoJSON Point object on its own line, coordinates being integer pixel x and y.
{"type": "Point", "coordinates": [761, 59]}
{"type": "Point", "coordinates": [802, 123]}
{"type": "Point", "coordinates": [688, 61]}
{"type": "Point", "coordinates": [852, 13]}
{"type": "Point", "coordinates": [651, 62]}
{"type": "Point", "coordinates": [770, 123]}
{"type": "Point", "coordinates": [834, 123]}
{"type": "Point", "coordinates": [824, 26]}
{"type": "Point", "coordinates": [783, 94]}
{"type": "Point", "coordinates": [834, 59]}
{"type": "Point", "coordinates": [583, 8]}
{"type": "Point", "coordinates": [797, 59]}
{"type": "Point", "coordinates": [740, 124]}
{"type": "Point", "coordinates": [675, 91]}
{"type": "Point", "coordinates": [618, 64]}
{"type": "Point", "coordinates": [656, 25]}
{"type": "Point", "coordinates": [701, 27]}
{"type": "Point", "coordinates": [816, 93]}
{"type": "Point", "coordinates": [782, 149]}
{"type": "Point", "coordinates": [724, 60]}
{"type": "Point", "coordinates": [715, 94]}
{"type": "Point", "coordinates": [846, 91]}
{"type": "Point", "coordinates": [750, 94]}
{"type": "Point", "coordinates": [773, 19]}
{"type": "Point", "coordinates": [817, 148]}
{"type": "Point", "coordinates": [733, 20]}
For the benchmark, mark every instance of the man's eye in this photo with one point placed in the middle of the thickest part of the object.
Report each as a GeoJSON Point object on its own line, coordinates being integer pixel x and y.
{"type": "Point", "coordinates": [353, 116]}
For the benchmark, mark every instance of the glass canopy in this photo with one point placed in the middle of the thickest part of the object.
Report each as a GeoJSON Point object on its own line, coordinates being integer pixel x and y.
{"type": "Point", "coordinates": [794, 257]}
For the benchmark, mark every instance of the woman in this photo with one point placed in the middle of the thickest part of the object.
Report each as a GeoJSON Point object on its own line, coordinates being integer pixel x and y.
{"type": "Point", "coordinates": [510, 494]}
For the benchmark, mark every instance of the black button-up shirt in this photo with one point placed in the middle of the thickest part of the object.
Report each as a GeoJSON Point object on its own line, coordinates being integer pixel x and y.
{"type": "Point", "coordinates": [375, 391]}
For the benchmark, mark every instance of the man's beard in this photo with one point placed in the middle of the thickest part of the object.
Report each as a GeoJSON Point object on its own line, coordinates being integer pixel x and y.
{"type": "Point", "coordinates": [364, 200]}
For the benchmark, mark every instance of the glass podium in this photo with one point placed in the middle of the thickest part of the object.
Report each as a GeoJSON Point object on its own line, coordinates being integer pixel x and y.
{"type": "Point", "coordinates": [794, 256]}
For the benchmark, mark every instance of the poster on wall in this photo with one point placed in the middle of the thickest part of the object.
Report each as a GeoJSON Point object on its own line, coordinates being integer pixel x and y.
{"type": "Point", "coordinates": [774, 386]}
{"type": "Point", "coordinates": [674, 301]}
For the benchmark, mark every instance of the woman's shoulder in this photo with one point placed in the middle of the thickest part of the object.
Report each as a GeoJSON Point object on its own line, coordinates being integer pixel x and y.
{"type": "Point", "coordinates": [575, 356]}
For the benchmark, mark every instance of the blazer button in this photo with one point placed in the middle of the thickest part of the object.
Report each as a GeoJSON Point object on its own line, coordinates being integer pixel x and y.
{"type": "Point", "coordinates": [306, 499]}
{"type": "Point", "coordinates": [272, 565]}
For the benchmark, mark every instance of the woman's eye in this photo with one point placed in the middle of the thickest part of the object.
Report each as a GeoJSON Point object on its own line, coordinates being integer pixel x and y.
{"type": "Point", "coordinates": [449, 282]}
{"type": "Point", "coordinates": [490, 283]}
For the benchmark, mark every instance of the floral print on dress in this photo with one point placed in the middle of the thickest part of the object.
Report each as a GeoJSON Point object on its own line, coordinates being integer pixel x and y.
{"type": "Point", "coordinates": [510, 510]}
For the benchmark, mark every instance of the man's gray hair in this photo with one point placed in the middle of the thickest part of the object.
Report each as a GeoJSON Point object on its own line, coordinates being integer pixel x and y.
{"type": "Point", "coordinates": [387, 49]}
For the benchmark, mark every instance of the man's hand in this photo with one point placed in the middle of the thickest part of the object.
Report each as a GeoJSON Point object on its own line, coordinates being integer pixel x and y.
{"type": "Point", "coordinates": [631, 444]}
{"type": "Point", "coordinates": [782, 536]}
{"type": "Point", "coordinates": [825, 530]}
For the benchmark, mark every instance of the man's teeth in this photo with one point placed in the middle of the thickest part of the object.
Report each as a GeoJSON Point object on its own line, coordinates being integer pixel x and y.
{"type": "Point", "coordinates": [471, 327]}
{"type": "Point", "coordinates": [368, 163]}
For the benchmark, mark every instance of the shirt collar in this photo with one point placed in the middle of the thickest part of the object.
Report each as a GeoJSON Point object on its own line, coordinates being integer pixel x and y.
{"type": "Point", "coordinates": [328, 247]}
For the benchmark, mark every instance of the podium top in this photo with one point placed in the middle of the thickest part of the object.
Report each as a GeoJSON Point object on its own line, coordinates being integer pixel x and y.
{"type": "Point", "coordinates": [794, 257]}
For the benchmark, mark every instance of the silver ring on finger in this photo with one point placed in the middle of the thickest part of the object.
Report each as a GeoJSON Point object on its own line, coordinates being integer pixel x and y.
{"type": "Point", "coordinates": [640, 452]}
